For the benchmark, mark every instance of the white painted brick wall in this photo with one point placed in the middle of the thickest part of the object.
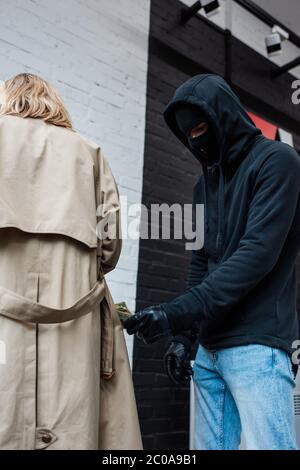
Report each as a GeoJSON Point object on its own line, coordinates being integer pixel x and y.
{"type": "Point", "coordinates": [96, 53]}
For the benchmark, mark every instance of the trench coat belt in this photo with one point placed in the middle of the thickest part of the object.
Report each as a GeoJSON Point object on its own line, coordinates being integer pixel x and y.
{"type": "Point", "coordinates": [23, 309]}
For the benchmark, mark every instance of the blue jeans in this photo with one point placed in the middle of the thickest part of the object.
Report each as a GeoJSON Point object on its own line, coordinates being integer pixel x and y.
{"type": "Point", "coordinates": [248, 388]}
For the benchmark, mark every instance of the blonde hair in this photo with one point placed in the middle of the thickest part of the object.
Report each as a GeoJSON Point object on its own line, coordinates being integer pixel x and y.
{"type": "Point", "coordinates": [28, 95]}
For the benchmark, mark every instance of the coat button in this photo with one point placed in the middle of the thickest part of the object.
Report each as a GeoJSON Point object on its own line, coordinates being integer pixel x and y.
{"type": "Point", "coordinates": [46, 438]}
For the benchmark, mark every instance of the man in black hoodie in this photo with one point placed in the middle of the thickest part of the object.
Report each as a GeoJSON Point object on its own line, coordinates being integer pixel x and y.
{"type": "Point", "coordinates": [241, 297]}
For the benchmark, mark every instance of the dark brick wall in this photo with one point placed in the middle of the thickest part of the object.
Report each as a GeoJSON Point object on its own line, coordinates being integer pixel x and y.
{"type": "Point", "coordinates": [169, 176]}
{"type": "Point", "coordinates": [170, 172]}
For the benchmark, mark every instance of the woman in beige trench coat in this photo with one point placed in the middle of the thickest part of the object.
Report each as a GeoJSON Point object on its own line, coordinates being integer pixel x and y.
{"type": "Point", "coordinates": [65, 380]}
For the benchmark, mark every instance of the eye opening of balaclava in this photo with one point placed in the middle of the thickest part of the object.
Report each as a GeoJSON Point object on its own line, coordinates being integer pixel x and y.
{"type": "Point", "coordinates": [204, 147]}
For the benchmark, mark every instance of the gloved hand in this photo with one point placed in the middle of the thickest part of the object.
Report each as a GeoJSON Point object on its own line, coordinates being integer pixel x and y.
{"type": "Point", "coordinates": [177, 360]}
{"type": "Point", "coordinates": [150, 324]}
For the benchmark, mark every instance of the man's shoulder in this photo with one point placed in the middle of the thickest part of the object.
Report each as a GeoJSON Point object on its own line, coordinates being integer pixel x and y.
{"type": "Point", "coordinates": [281, 148]}
{"type": "Point", "coordinates": [277, 154]}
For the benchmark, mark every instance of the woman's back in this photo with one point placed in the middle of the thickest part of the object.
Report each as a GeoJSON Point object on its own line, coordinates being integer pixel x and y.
{"type": "Point", "coordinates": [66, 382]}
{"type": "Point", "coordinates": [52, 369]}
{"type": "Point", "coordinates": [47, 179]}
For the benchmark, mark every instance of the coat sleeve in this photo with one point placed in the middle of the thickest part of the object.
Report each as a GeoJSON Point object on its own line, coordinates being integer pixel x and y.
{"type": "Point", "coordinates": [198, 270]}
{"type": "Point", "coordinates": [108, 216]}
{"type": "Point", "coordinates": [272, 209]}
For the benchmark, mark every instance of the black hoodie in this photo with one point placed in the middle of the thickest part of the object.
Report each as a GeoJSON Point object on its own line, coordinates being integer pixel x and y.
{"type": "Point", "coordinates": [242, 282]}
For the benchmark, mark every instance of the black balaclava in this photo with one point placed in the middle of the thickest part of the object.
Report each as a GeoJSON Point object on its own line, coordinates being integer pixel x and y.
{"type": "Point", "coordinates": [205, 146]}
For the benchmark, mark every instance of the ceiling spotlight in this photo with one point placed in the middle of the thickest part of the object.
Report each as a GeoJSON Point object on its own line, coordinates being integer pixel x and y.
{"type": "Point", "coordinates": [210, 7]}
{"type": "Point", "coordinates": [274, 40]}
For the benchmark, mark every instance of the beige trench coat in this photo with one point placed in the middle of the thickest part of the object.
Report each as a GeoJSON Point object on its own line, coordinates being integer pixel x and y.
{"type": "Point", "coordinates": [65, 379]}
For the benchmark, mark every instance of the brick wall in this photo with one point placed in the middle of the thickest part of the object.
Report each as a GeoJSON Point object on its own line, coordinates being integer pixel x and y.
{"type": "Point", "coordinates": [169, 176]}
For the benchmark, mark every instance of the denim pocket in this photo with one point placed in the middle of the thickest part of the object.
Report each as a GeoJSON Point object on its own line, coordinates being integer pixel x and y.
{"type": "Point", "coordinates": [290, 367]}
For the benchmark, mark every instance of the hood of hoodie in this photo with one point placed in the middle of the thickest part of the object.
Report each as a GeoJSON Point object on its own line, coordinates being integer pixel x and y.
{"type": "Point", "coordinates": [234, 129]}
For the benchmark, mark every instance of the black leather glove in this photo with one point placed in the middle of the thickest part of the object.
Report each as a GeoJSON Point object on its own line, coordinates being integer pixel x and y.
{"type": "Point", "coordinates": [177, 360]}
{"type": "Point", "coordinates": [150, 324]}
